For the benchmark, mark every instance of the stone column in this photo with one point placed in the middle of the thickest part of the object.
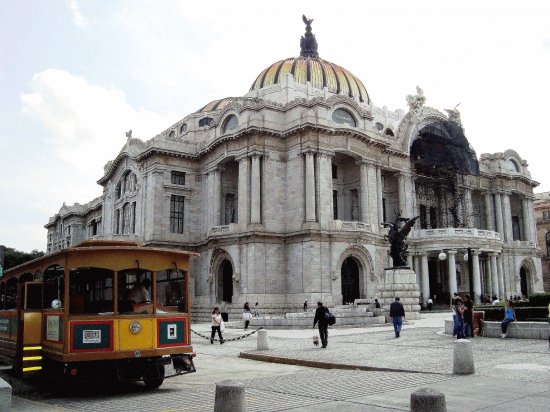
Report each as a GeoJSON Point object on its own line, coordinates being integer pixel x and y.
{"type": "Point", "coordinates": [452, 272]}
{"type": "Point", "coordinates": [373, 197]}
{"type": "Point", "coordinates": [494, 274]}
{"type": "Point", "coordinates": [364, 183]}
{"type": "Point", "coordinates": [526, 220]}
{"type": "Point", "coordinates": [310, 188]}
{"type": "Point", "coordinates": [468, 209]}
{"type": "Point", "coordinates": [409, 260]}
{"type": "Point", "coordinates": [489, 211]}
{"type": "Point", "coordinates": [255, 190]}
{"type": "Point", "coordinates": [243, 200]}
{"type": "Point", "coordinates": [401, 194]}
{"type": "Point", "coordinates": [425, 277]}
{"type": "Point", "coordinates": [501, 284]}
{"type": "Point", "coordinates": [379, 194]}
{"type": "Point", "coordinates": [325, 188]}
{"type": "Point", "coordinates": [476, 276]}
{"type": "Point", "coordinates": [217, 200]}
{"type": "Point", "coordinates": [498, 212]}
{"type": "Point", "coordinates": [507, 217]}
{"type": "Point", "coordinates": [488, 275]}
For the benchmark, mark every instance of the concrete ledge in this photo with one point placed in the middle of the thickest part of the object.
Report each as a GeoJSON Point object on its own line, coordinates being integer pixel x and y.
{"type": "Point", "coordinates": [321, 364]}
{"type": "Point", "coordinates": [5, 395]}
{"type": "Point", "coordinates": [518, 330]}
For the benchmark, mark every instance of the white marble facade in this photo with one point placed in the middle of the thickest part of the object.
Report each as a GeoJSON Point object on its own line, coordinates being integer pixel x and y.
{"type": "Point", "coordinates": [283, 192]}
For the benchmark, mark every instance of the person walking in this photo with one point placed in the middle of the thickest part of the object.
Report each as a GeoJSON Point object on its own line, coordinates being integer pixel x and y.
{"type": "Point", "coordinates": [247, 315]}
{"type": "Point", "coordinates": [216, 325]}
{"type": "Point", "coordinates": [509, 316]}
{"type": "Point", "coordinates": [397, 312]}
{"type": "Point", "coordinates": [257, 310]}
{"type": "Point", "coordinates": [468, 317]}
{"type": "Point", "coordinates": [321, 320]}
{"type": "Point", "coordinates": [549, 325]}
{"type": "Point", "coordinates": [305, 306]}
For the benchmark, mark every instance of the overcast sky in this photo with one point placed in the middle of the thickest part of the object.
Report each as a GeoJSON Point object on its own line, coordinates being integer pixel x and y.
{"type": "Point", "coordinates": [75, 75]}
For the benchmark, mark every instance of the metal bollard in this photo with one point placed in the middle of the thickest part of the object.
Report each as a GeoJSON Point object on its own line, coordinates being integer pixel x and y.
{"type": "Point", "coordinates": [428, 400]}
{"type": "Point", "coordinates": [261, 342]}
{"type": "Point", "coordinates": [230, 397]}
{"type": "Point", "coordinates": [463, 357]}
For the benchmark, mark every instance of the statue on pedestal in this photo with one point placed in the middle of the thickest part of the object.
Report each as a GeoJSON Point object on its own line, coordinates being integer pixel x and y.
{"type": "Point", "coordinates": [396, 237]}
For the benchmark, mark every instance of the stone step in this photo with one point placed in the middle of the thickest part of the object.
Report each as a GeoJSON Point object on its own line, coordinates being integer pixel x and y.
{"type": "Point", "coordinates": [361, 313]}
{"type": "Point", "coordinates": [292, 323]}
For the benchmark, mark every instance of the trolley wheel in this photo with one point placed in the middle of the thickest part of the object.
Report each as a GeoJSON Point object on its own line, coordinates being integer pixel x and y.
{"type": "Point", "coordinates": [153, 376]}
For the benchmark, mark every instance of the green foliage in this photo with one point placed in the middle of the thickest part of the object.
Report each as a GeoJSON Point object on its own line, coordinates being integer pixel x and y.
{"type": "Point", "coordinates": [540, 299]}
{"type": "Point", "coordinates": [15, 257]}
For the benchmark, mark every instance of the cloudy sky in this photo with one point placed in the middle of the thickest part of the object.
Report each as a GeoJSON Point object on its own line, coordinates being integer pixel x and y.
{"type": "Point", "coordinates": [75, 75]}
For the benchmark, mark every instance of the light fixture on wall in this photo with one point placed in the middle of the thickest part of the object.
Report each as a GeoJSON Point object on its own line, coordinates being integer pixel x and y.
{"type": "Point", "coordinates": [442, 256]}
{"type": "Point", "coordinates": [466, 257]}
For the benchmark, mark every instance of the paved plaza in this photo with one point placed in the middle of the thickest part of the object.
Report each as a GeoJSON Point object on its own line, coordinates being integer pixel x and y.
{"type": "Point", "coordinates": [510, 374]}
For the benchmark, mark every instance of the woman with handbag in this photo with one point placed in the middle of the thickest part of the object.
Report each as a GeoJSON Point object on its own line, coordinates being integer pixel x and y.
{"type": "Point", "coordinates": [217, 323]}
{"type": "Point", "coordinates": [247, 315]}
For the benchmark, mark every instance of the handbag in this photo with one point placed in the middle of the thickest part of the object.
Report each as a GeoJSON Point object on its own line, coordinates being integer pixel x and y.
{"type": "Point", "coordinates": [222, 326]}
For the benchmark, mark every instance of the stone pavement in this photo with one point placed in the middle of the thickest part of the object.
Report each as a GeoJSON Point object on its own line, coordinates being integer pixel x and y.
{"type": "Point", "coordinates": [510, 374]}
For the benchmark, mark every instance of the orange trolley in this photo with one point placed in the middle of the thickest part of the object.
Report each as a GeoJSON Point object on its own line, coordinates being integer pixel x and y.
{"type": "Point", "coordinates": [99, 310]}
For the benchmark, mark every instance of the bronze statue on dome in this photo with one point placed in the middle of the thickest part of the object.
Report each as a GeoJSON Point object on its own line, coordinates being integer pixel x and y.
{"type": "Point", "coordinates": [396, 237]}
{"type": "Point", "coordinates": [308, 43]}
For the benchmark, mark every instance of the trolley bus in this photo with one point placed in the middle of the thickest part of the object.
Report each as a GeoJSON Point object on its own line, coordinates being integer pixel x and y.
{"type": "Point", "coordinates": [100, 309]}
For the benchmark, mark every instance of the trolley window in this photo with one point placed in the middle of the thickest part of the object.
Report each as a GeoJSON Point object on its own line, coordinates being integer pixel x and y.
{"type": "Point", "coordinates": [91, 291]}
{"type": "Point", "coordinates": [54, 287]}
{"type": "Point", "coordinates": [134, 291]}
{"type": "Point", "coordinates": [33, 295]}
{"type": "Point", "coordinates": [11, 293]}
{"type": "Point", "coordinates": [171, 291]}
{"type": "Point", "coordinates": [2, 294]}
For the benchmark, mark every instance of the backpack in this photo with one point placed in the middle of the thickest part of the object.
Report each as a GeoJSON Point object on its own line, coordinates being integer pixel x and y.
{"type": "Point", "coordinates": [330, 318]}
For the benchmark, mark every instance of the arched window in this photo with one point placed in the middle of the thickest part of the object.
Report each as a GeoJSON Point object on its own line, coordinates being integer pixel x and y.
{"type": "Point", "coordinates": [183, 128]}
{"type": "Point", "coordinates": [379, 126]}
{"type": "Point", "coordinates": [205, 121]}
{"type": "Point", "coordinates": [172, 133]}
{"type": "Point", "coordinates": [548, 244]}
{"type": "Point", "coordinates": [512, 166]}
{"type": "Point", "coordinates": [388, 132]}
{"type": "Point", "coordinates": [231, 122]}
{"type": "Point", "coordinates": [343, 117]}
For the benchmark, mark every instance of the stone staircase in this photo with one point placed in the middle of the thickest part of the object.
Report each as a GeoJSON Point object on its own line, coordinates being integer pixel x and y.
{"type": "Point", "coordinates": [346, 315]}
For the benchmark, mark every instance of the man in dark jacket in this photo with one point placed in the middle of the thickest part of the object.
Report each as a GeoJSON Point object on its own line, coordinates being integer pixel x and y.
{"type": "Point", "coordinates": [323, 324]}
{"type": "Point", "coordinates": [397, 312]}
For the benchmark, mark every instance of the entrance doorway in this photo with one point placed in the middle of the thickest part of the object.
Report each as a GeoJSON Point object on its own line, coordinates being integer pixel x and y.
{"type": "Point", "coordinates": [523, 281]}
{"type": "Point", "coordinates": [225, 281]}
{"type": "Point", "coordinates": [350, 280]}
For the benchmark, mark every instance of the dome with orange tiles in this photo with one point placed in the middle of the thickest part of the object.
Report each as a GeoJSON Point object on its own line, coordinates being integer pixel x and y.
{"type": "Point", "coordinates": [309, 67]}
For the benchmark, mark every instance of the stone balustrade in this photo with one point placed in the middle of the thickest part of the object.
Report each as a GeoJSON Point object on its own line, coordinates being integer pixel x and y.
{"type": "Point", "coordinates": [455, 232]}
{"type": "Point", "coordinates": [224, 229]}
{"type": "Point", "coordinates": [350, 225]}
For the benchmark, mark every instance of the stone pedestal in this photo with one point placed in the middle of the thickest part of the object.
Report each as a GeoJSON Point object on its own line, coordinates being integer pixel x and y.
{"type": "Point", "coordinates": [428, 400]}
{"type": "Point", "coordinates": [400, 283]}
{"type": "Point", "coordinates": [262, 343]}
{"type": "Point", "coordinates": [230, 397]}
{"type": "Point", "coordinates": [463, 357]}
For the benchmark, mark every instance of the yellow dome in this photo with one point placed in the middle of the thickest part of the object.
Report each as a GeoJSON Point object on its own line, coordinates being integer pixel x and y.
{"type": "Point", "coordinates": [319, 72]}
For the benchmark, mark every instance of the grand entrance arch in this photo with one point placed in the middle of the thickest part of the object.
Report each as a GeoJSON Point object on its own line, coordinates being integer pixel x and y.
{"type": "Point", "coordinates": [523, 281]}
{"type": "Point", "coordinates": [225, 281]}
{"type": "Point", "coordinates": [350, 280]}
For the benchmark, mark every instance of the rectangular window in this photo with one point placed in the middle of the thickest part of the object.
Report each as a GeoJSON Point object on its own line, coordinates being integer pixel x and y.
{"type": "Point", "coordinates": [176, 213]}
{"type": "Point", "coordinates": [117, 222]}
{"type": "Point", "coordinates": [126, 219]}
{"type": "Point", "coordinates": [354, 194]}
{"type": "Point", "coordinates": [177, 178]}
{"type": "Point", "coordinates": [334, 172]}
{"type": "Point", "coordinates": [384, 209]}
{"type": "Point", "coordinates": [335, 204]}
{"type": "Point", "coordinates": [546, 215]}
{"type": "Point", "coordinates": [171, 290]}
{"type": "Point", "coordinates": [133, 218]}
{"type": "Point", "coordinates": [91, 291]}
{"type": "Point", "coordinates": [433, 218]}
{"type": "Point", "coordinates": [423, 217]}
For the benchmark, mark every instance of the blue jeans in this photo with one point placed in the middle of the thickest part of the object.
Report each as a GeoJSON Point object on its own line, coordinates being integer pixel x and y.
{"type": "Point", "coordinates": [504, 324]}
{"type": "Point", "coordinates": [397, 322]}
{"type": "Point", "coordinates": [455, 325]}
{"type": "Point", "coordinates": [468, 328]}
{"type": "Point", "coordinates": [459, 327]}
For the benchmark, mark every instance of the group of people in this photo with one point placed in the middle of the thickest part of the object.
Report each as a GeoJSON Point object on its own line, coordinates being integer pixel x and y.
{"type": "Point", "coordinates": [217, 320]}
{"type": "Point", "coordinates": [463, 316]}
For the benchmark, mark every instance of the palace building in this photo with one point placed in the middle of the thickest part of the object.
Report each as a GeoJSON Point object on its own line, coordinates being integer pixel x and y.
{"type": "Point", "coordinates": [283, 192]}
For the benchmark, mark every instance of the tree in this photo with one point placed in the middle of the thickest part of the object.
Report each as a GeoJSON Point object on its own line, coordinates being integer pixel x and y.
{"type": "Point", "coordinates": [15, 257]}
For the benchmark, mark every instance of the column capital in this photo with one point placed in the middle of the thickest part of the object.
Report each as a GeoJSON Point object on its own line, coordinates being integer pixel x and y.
{"type": "Point", "coordinates": [452, 252]}
{"type": "Point", "coordinates": [475, 252]}
{"type": "Point", "coordinates": [493, 254]}
{"type": "Point", "coordinates": [326, 153]}
{"type": "Point", "coordinates": [213, 169]}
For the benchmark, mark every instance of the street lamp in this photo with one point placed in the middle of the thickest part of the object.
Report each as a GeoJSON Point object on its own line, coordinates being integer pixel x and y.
{"type": "Point", "coordinates": [442, 256]}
